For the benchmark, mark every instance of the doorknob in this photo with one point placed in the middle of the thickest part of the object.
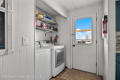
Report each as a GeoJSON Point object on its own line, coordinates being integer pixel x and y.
{"type": "Point", "coordinates": [73, 45]}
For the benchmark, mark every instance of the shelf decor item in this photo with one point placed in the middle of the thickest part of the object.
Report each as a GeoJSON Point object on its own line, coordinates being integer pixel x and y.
{"type": "Point", "coordinates": [36, 12]}
{"type": "Point", "coordinates": [44, 26]}
{"type": "Point", "coordinates": [48, 18]}
{"type": "Point", "coordinates": [45, 22]}
{"type": "Point", "coordinates": [40, 16]}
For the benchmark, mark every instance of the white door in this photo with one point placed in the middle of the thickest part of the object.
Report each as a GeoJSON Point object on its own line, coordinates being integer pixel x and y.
{"type": "Point", "coordinates": [84, 46]}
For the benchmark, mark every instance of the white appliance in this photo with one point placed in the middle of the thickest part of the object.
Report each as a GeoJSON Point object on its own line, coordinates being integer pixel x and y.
{"type": "Point", "coordinates": [42, 63]}
{"type": "Point", "coordinates": [58, 60]}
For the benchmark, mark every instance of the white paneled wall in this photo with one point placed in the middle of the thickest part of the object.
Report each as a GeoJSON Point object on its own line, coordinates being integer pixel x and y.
{"type": "Point", "coordinates": [40, 35]}
{"type": "Point", "coordinates": [20, 64]}
{"type": "Point", "coordinates": [65, 34]}
{"type": "Point", "coordinates": [112, 40]}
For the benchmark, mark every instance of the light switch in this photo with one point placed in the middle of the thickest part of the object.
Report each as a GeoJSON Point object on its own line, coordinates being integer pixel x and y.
{"type": "Point", "coordinates": [25, 41]}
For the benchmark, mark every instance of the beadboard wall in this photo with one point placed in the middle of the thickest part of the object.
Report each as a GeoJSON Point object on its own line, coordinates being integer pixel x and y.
{"type": "Point", "coordinates": [65, 31]}
{"type": "Point", "coordinates": [20, 64]}
{"type": "Point", "coordinates": [40, 35]}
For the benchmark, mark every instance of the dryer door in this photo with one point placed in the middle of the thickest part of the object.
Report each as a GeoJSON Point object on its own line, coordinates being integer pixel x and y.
{"type": "Point", "coordinates": [59, 57]}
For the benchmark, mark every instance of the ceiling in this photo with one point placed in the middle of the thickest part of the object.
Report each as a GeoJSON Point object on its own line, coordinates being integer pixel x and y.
{"type": "Point", "coordinates": [73, 4]}
{"type": "Point", "coordinates": [46, 8]}
{"type": "Point", "coordinates": [66, 5]}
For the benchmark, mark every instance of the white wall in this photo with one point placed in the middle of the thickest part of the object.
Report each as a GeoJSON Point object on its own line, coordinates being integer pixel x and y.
{"type": "Point", "coordinates": [40, 35]}
{"type": "Point", "coordinates": [65, 34]}
{"type": "Point", "coordinates": [112, 40]}
{"type": "Point", "coordinates": [20, 65]}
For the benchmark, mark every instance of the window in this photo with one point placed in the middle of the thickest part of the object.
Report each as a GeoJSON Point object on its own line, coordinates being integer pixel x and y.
{"type": "Point", "coordinates": [6, 27]}
{"type": "Point", "coordinates": [2, 24]}
{"type": "Point", "coordinates": [84, 30]}
{"type": "Point", "coordinates": [117, 15]}
{"type": "Point", "coordinates": [2, 30]}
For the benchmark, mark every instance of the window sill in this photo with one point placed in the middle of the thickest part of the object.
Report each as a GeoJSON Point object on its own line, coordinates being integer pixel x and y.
{"type": "Point", "coordinates": [5, 52]}
{"type": "Point", "coordinates": [2, 52]}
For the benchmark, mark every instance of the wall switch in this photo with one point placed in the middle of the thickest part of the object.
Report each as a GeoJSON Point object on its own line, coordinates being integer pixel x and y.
{"type": "Point", "coordinates": [25, 41]}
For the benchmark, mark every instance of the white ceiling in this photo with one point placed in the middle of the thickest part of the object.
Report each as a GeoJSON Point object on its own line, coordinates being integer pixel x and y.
{"type": "Point", "coordinates": [64, 5]}
{"type": "Point", "coordinates": [46, 8]}
{"type": "Point", "coordinates": [73, 4]}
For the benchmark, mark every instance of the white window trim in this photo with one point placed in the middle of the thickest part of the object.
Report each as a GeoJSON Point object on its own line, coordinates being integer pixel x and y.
{"type": "Point", "coordinates": [2, 9]}
{"type": "Point", "coordinates": [2, 52]}
{"type": "Point", "coordinates": [6, 51]}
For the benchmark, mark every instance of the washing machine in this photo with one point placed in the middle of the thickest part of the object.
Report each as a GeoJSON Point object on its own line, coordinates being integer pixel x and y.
{"type": "Point", "coordinates": [42, 63]}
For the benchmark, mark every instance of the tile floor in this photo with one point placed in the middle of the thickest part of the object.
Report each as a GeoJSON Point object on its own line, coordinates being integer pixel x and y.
{"type": "Point", "coordinates": [72, 74]}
